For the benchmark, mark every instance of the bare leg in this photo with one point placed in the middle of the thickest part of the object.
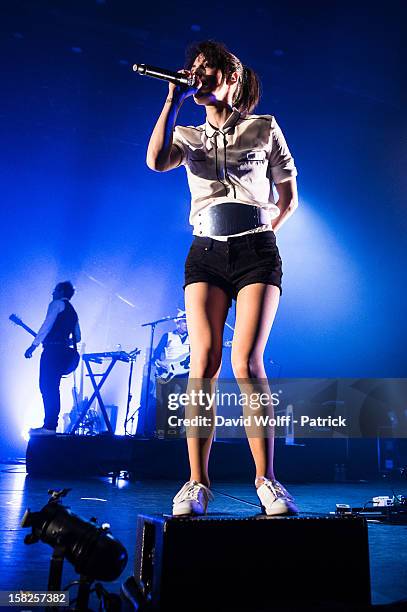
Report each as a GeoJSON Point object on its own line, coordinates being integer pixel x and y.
{"type": "Point", "coordinates": [256, 308]}
{"type": "Point", "coordinates": [206, 310]}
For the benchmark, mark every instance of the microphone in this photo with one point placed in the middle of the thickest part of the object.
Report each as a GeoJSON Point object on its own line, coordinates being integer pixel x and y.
{"type": "Point", "coordinates": [166, 75]}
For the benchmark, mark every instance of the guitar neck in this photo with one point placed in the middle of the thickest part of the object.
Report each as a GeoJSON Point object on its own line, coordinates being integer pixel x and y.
{"type": "Point", "coordinates": [17, 321]}
{"type": "Point", "coordinates": [28, 329]}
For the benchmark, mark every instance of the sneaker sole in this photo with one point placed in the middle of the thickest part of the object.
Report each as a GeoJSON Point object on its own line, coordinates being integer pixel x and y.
{"type": "Point", "coordinates": [192, 513]}
{"type": "Point", "coordinates": [287, 511]}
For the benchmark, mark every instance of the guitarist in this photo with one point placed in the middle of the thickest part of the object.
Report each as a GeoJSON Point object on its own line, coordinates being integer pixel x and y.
{"type": "Point", "coordinates": [173, 345]}
{"type": "Point", "coordinates": [61, 322]}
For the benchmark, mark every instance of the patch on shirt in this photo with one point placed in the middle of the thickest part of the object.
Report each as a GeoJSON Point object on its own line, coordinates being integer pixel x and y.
{"type": "Point", "coordinates": [255, 155]}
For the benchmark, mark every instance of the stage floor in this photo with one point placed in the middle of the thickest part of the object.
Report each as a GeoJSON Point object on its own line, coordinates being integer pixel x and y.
{"type": "Point", "coordinates": [26, 567]}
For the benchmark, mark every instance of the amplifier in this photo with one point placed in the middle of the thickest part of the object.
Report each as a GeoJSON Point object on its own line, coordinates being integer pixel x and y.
{"type": "Point", "coordinates": [223, 563]}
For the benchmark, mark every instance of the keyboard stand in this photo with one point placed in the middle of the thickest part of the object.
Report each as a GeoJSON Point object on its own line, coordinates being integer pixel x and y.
{"type": "Point", "coordinates": [88, 359]}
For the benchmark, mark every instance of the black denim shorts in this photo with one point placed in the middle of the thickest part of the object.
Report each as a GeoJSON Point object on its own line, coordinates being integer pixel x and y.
{"type": "Point", "coordinates": [235, 263]}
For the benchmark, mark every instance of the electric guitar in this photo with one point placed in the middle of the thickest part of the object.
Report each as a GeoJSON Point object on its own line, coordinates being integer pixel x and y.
{"type": "Point", "coordinates": [166, 369]}
{"type": "Point", "coordinates": [79, 401]}
{"type": "Point", "coordinates": [74, 361]}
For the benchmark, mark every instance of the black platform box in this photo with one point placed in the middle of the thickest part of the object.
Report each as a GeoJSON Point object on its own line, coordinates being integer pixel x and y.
{"type": "Point", "coordinates": [218, 562]}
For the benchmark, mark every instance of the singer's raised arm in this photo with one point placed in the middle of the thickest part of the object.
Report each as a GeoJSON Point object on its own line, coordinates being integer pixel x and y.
{"type": "Point", "coordinates": [162, 154]}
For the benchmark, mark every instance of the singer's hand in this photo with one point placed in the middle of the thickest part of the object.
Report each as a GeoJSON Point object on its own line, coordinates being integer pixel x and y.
{"type": "Point", "coordinates": [181, 92]}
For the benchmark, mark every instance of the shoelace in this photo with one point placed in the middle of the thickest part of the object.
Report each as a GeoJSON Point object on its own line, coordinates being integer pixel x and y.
{"type": "Point", "coordinates": [277, 489]}
{"type": "Point", "coordinates": [190, 491]}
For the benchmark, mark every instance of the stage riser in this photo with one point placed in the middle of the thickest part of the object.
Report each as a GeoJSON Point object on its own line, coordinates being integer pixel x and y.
{"type": "Point", "coordinates": [164, 459]}
{"type": "Point", "coordinates": [71, 455]}
{"type": "Point", "coordinates": [256, 563]}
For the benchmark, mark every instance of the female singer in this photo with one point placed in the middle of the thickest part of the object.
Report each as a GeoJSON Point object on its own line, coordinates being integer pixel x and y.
{"type": "Point", "coordinates": [232, 162]}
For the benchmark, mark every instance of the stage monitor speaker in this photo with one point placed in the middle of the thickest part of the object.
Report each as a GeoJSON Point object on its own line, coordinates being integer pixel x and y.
{"type": "Point", "coordinates": [256, 563]}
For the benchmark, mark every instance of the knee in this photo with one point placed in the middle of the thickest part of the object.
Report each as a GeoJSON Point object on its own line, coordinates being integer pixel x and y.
{"type": "Point", "coordinates": [49, 385]}
{"type": "Point", "coordinates": [247, 367]}
{"type": "Point", "coordinates": [205, 365]}
{"type": "Point", "coordinates": [44, 384]}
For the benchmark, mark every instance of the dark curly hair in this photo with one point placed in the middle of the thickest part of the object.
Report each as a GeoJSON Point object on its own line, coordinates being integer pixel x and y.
{"type": "Point", "coordinates": [67, 289]}
{"type": "Point", "coordinates": [218, 56]}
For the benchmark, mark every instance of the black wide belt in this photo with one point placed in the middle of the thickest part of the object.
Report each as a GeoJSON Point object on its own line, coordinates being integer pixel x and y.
{"type": "Point", "coordinates": [229, 218]}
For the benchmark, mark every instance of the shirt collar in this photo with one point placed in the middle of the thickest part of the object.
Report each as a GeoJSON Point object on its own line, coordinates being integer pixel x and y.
{"type": "Point", "coordinates": [227, 127]}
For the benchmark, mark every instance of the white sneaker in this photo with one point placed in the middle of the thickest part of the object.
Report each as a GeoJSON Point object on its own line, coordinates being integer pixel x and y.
{"type": "Point", "coordinates": [275, 499]}
{"type": "Point", "coordinates": [191, 499]}
{"type": "Point", "coordinates": [41, 431]}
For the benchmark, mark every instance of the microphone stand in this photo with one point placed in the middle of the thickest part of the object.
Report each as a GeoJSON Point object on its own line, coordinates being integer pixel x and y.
{"type": "Point", "coordinates": [153, 325]}
{"type": "Point", "coordinates": [132, 356]}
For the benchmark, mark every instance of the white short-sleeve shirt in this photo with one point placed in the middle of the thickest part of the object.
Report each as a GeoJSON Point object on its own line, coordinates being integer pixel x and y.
{"type": "Point", "coordinates": [236, 163]}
